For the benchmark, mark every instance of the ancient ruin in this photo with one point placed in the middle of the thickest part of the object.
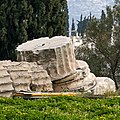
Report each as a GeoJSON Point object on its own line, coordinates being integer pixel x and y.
{"type": "Point", "coordinates": [56, 55]}
{"type": "Point", "coordinates": [23, 76]}
{"type": "Point", "coordinates": [49, 64]}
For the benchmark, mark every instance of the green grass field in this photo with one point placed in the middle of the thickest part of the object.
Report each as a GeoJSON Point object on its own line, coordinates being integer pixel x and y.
{"type": "Point", "coordinates": [60, 108]}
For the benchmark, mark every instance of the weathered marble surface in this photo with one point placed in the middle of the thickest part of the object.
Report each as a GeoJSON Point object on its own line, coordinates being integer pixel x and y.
{"type": "Point", "coordinates": [6, 88]}
{"type": "Point", "coordinates": [23, 76]}
{"type": "Point", "coordinates": [56, 55]}
{"type": "Point", "coordinates": [104, 85]}
{"type": "Point", "coordinates": [81, 80]}
{"type": "Point", "coordinates": [46, 64]}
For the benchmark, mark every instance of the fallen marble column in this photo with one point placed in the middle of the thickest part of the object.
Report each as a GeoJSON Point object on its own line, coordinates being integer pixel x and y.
{"type": "Point", "coordinates": [19, 75]}
{"type": "Point", "coordinates": [89, 82]}
{"type": "Point", "coordinates": [24, 76]}
{"type": "Point", "coordinates": [56, 55]}
{"type": "Point", "coordinates": [79, 80]}
{"type": "Point", "coordinates": [6, 88]}
{"type": "Point", "coordinates": [83, 66]}
{"type": "Point", "coordinates": [41, 81]}
{"type": "Point", "coordinates": [75, 83]}
{"type": "Point", "coordinates": [104, 85]}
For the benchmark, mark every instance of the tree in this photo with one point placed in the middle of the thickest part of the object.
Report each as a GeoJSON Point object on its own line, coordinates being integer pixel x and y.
{"type": "Point", "coordinates": [73, 24]}
{"type": "Point", "coordinates": [117, 1]}
{"type": "Point", "coordinates": [82, 25]}
{"type": "Point", "coordinates": [56, 17]}
{"type": "Point", "coordinates": [3, 32]}
{"type": "Point", "coordinates": [73, 32]}
{"type": "Point", "coordinates": [16, 25]}
{"type": "Point", "coordinates": [104, 34]}
{"type": "Point", "coordinates": [103, 15]}
{"type": "Point", "coordinates": [22, 20]}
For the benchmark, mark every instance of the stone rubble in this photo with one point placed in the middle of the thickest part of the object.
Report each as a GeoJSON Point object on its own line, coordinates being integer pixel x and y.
{"type": "Point", "coordinates": [23, 76]}
{"type": "Point", "coordinates": [56, 55]}
{"type": "Point", "coordinates": [46, 64]}
{"type": "Point", "coordinates": [104, 85]}
{"type": "Point", "coordinates": [83, 80]}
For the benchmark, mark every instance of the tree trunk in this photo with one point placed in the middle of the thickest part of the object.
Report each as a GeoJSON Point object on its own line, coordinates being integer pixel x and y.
{"type": "Point", "coordinates": [116, 84]}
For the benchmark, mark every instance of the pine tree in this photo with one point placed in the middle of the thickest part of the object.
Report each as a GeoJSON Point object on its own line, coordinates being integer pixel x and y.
{"type": "Point", "coordinates": [103, 15]}
{"type": "Point", "coordinates": [82, 25]}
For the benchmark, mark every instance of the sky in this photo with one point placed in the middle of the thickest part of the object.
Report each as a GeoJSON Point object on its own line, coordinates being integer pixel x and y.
{"type": "Point", "coordinates": [84, 7]}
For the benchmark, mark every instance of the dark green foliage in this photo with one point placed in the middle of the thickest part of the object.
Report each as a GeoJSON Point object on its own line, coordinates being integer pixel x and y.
{"type": "Point", "coordinates": [95, 61]}
{"type": "Point", "coordinates": [60, 108]}
{"type": "Point", "coordinates": [117, 1]}
{"type": "Point", "coordinates": [73, 25]}
{"type": "Point", "coordinates": [103, 35]}
{"type": "Point", "coordinates": [22, 20]}
{"type": "Point", "coordinates": [103, 15]}
{"type": "Point", "coordinates": [82, 25]}
{"type": "Point", "coordinates": [73, 32]}
{"type": "Point", "coordinates": [56, 17]}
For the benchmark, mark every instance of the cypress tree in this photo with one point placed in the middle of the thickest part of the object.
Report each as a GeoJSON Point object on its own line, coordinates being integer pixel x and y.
{"type": "Point", "coordinates": [22, 20]}
{"type": "Point", "coordinates": [73, 32]}
{"type": "Point", "coordinates": [56, 16]}
{"type": "Point", "coordinates": [103, 15]}
{"type": "Point", "coordinates": [17, 15]}
{"type": "Point", "coordinates": [3, 31]}
{"type": "Point", "coordinates": [73, 24]}
{"type": "Point", "coordinates": [80, 25]}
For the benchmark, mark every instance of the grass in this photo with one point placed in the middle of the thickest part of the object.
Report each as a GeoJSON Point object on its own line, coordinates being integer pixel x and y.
{"type": "Point", "coordinates": [60, 108]}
